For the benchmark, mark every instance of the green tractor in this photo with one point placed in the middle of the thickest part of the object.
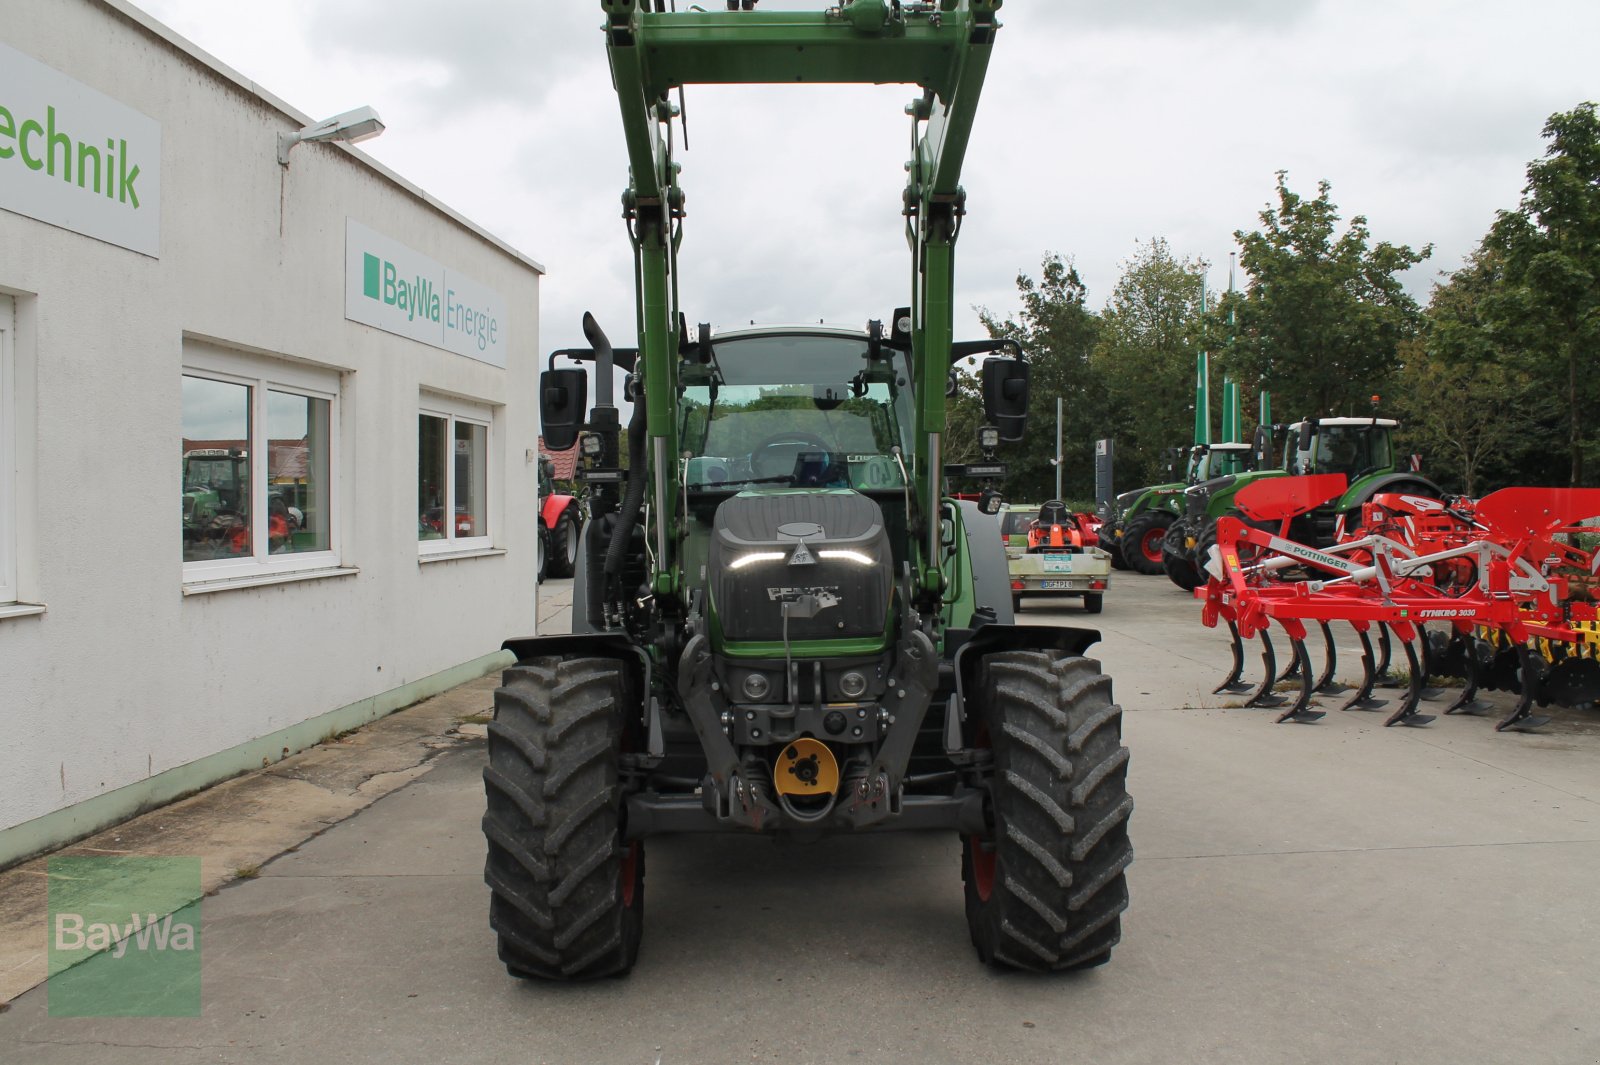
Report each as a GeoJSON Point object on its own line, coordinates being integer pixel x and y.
{"type": "Point", "coordinates": [1360, 448]}
{"type": "Point", "coordinates": [1139, 518]}
{"type": "Point", "coordinates": [216, 495]}
{"type": "Point", "coordinates": [782, 624]}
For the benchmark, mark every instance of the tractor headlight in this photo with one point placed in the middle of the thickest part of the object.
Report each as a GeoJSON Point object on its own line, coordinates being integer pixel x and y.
{"type": "Point", "coordinates": [592, 445]}
{"type": "Point", "coordinates": [988, 437]}
{"type": "Point", "coordinates": [853, 685]}
{"type": "Point", "coordinates": [754, 556]}
{"type": "Point", "coordinates": [756, 686]}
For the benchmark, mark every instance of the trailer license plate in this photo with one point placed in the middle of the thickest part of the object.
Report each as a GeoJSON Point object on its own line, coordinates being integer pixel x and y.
{"type": "Point", "coordinates": [1055, 586]}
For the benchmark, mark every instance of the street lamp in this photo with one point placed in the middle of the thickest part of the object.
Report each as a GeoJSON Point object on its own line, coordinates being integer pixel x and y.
{"type": "Point", "coordinates": [359, 125]}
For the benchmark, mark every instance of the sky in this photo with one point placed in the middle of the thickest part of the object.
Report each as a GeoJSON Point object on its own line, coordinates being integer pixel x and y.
{"type": "Point", "coordinates": [1102, 123]}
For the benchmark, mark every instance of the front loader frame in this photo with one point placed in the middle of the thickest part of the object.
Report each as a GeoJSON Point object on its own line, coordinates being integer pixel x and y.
{"type": "Point", "coordinates": [943, 47]}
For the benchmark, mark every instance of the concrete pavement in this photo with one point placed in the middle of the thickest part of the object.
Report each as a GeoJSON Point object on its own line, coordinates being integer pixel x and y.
{"type": "Point", "coordinates": [1329, 893]}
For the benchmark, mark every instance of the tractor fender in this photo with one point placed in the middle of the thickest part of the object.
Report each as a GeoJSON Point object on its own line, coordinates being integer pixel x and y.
{"type": "Point", "coordinates": [991, 574]}
{"type": "Point", "coordinates": [600, 644]}
{"type": "Point", "coordinates": [1399, 481]}
{"type": "Point", "coordinates": [988, 639]}
{"type": "Point", "coordinates": [552, 507]}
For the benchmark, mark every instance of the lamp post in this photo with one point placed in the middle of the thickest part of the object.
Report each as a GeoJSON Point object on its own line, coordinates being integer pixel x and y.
{"type": "Point", "coordinates": [352, 126]}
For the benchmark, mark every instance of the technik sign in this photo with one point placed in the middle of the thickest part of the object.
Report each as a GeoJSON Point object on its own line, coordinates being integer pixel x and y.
{"type": "Point", "coordinates": [76, 159]}
{"type": "Point", "coordinates": [391, 287]}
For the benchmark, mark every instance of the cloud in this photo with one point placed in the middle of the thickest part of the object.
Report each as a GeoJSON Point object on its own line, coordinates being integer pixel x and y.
{"type": "Point", "coordinates": [469, 51]}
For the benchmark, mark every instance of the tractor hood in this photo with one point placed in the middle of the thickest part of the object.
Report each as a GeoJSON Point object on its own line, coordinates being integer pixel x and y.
{"type": "Point", "coordinates": [820, 557]}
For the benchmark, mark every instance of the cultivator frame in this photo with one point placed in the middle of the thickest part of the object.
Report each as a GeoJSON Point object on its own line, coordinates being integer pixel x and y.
{"type": "Point", "coordinates": [1490, 570]}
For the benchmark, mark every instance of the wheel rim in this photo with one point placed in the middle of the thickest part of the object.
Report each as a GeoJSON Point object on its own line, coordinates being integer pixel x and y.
{"type": "Point", "coordinates": [1150, 544]}
{"type": "Point", "coordinates": [983, 865]}
{"type": "Point", "coordinates": [572, 543]}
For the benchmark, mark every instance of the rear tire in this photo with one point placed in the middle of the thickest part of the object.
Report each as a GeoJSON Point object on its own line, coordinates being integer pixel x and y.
{"type": "Point", "coordinates": [1113, 548]}
{"type": "Point", "coordinates": [544, 553]}
{"type": "Point", "coordinates": [1046, 892]}
{"type": "Point", "coordinates": [566, 893]}
{"type": "Point", "coordinates": [1141, 540]}
{"type": "Point", "coordinates": [564, 542]}
{"type": "Point", "coordinates": [1176, 560]}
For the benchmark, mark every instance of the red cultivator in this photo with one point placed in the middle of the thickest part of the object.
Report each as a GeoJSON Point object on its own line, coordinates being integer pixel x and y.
{"type": "Point", "coordinates": [1512, 599]}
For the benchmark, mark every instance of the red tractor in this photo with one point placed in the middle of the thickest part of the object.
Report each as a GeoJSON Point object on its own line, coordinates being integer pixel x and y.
{"type": "Point", "coordinates": [560, 518]}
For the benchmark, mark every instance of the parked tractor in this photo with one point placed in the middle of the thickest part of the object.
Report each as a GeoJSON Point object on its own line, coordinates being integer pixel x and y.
{"type": "Point", "coordinates": [1138, 520]}
{"type": "Point", "coordinates": [782, 624]}
{"type": "Point", "coordinates": [216, 494]}
{"type": "Point", "coordinates": [560, 524]}
{"type": "Point", "coordinates": [1360, 449]}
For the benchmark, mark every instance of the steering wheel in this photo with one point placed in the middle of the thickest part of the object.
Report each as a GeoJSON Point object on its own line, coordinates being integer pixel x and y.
{"type": "Point", "coordinates": [775, 456]}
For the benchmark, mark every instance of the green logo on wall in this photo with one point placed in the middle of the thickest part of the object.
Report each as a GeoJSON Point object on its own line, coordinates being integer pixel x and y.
{"type": "Point", "coordinates": [124, 937]}
{"type": "Point", "coordinates": [381, 281]}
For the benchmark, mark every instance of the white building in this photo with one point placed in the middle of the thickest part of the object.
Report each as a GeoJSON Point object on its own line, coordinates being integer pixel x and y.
{"type": "Point", "coordinates": [267, 432]}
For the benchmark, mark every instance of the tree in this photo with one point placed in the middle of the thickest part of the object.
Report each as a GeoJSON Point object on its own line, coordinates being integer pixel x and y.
{"type": "Point", "coordinates": [1464, 415]}
{"type": "Point", "coordinates": [1058, 332]}
{"type": "Point", "coordinates": [1150, 332]}
{"type": "Point", "coordinates": [1322, 317]}
{"type": "Point", "coordinates": [1550, 296]}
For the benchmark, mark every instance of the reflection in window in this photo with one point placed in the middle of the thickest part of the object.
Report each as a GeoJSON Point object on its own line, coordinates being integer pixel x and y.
{"type": "Point", "coordinates": [431, 477]}
{"type": "Point", "coordinates": [472, 479]}
{"type": "Point", "coordinates": [215, 460]}
{"type": "Point", "coordinates": [452, 478]}
{"type": "Point", "coordinates": [297, 473]}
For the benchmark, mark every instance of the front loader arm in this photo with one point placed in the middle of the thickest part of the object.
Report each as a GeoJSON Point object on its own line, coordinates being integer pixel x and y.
{"type": "Point", "coordinates": [943, 46]}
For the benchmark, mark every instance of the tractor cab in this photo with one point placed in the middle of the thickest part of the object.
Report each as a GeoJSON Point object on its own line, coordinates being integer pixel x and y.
{"type": "Point", "coordinates": [1351, 446]}
{"type": "Point", "coordinates": [1215, 460]}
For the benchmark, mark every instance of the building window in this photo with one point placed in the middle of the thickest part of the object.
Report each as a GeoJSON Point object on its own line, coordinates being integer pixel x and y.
{"type": "Point", "coordinates": [452, 476]}
{"type": "Point", "coordinates": [257, 464]}
{"type": "Point", "coordinates": [8, 452]}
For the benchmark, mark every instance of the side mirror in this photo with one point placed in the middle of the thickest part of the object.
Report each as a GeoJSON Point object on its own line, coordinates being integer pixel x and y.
{"type": "Point", "coordinates": [1005, 396]}
{"type": "Point", "coordinates": [1307, 430]}
{"type": "Point", "coordinates": [563, 398]}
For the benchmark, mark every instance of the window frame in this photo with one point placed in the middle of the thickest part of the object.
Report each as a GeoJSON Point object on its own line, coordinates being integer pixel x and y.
{"type": "Point", "coordinates": [9, 517]}
{"type": "Point", "coordinates": [261, 375]}
{"type": "Point", "coordinates": [434, 405]}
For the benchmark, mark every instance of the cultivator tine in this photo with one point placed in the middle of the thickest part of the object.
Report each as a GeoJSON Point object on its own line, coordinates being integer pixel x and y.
{"type": "Point", "coordinates": [1362, 699]}
{"type": "Point", "coordinates": [1232, 683]}
{"type": "Point", "coordinates": [1325, 684]}
{"type": "Point", "coordinates": [1269, 676]}
{"type": "Point", "coordinates": [1407, 714]}
{"type": "Point", "coordinates": [1467, 703]}
{"type": "Point", "coordinates": [1522, 718]}
{"type": "Point", "coordinates": [1292, 668]}
{"type": "Point", "coordinates": [1383, 678]}
{"type": "Point", "coordinates": [1301, 710]}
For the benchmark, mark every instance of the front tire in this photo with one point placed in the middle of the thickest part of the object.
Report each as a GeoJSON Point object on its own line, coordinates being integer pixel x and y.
{"type": "Point", "coordinates": [1046, 890]}
{"type": "Point", "coordinates": [1141, 541]}
{"type": "Point", "coordinates": [566, 893]}
{"type": "Point", "coordinates": [1176, 560]}
{"type": "Point", "coordinates": [564, 542]}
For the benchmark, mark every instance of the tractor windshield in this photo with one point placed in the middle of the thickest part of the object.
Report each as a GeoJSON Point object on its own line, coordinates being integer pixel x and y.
{"type": "Point", "coordinates": [794, 409]}
{"type": "Point", "coordinates": [1352, 449]}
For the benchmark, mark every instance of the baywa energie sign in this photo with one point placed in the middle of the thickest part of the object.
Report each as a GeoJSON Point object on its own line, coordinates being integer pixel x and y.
{"type": "Point", "coordinates": [77, 159]}
{"type": "Point", "coordinates": [391, 287]}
